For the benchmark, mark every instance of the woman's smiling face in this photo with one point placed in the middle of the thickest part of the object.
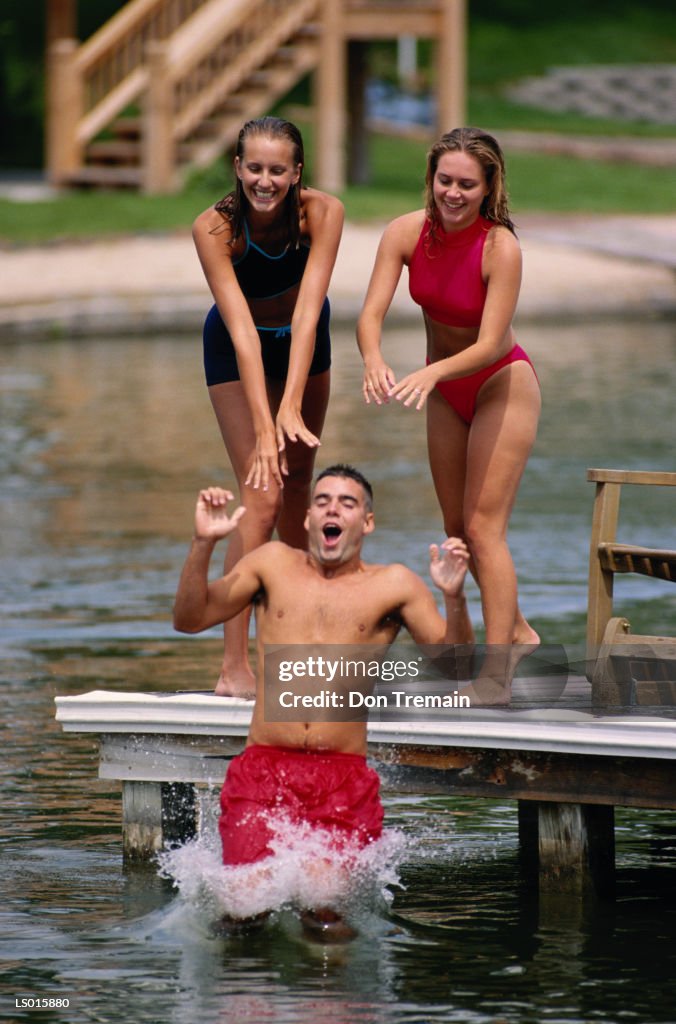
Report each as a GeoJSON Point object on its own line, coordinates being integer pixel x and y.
{"type": "Point", "coordinates": [459, 188]}
{"type": "Point", "coordinates": [267, 172]}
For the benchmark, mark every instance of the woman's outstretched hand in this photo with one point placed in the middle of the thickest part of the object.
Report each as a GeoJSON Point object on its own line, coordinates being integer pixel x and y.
{"type": "Point", "coordinates": [414, 388]}
{"type": "Point", "coordinates": [379, 379]}
{"type": "Point", "coordinates": [290, 425]}
{"type": "Point", "coordinates": [267, 464]}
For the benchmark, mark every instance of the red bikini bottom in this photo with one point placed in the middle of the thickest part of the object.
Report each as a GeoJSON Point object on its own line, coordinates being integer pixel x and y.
{"type": "Point", "coordinates": [461, 393]}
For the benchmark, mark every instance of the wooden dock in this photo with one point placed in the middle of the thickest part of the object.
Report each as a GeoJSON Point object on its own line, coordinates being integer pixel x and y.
{"type": "Point", "coordinates": [566, 765]}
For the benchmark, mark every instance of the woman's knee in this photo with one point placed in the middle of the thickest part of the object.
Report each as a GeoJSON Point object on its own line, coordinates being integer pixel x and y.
{"type": "Point", "coordinates": [262, 508]}
{"type": "Point", "coordinates": [455, 527]}
{"type": "Point", "coordinates": [298, 482]}
{"type": "Point", "coordinates": [483, 537]}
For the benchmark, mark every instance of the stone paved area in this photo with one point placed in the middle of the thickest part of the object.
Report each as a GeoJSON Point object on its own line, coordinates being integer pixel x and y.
{"type": "Point", "coordinates": [626, 92]}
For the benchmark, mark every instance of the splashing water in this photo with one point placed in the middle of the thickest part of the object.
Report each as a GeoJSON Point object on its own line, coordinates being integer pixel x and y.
{"type": "Point", "coordinates": [305, 870]}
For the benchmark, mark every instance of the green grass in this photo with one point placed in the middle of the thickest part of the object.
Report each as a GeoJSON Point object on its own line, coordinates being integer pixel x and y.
{"type": "Point", "coordinates": [567, 185]}
{"type": "Point", "coordinates": [82, 215]}
{"type": "Point", "coordinates": [536, 183]}
{"type": "Point", "coordinates": [499, 53]}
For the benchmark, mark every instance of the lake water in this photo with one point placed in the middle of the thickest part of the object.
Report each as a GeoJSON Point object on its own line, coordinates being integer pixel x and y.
{"type": "Point", "coordinates": [103, 446]}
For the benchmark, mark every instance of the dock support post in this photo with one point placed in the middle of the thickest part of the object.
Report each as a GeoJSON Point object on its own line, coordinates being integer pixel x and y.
{"type": "Point", "coordinates": [528, 837]}
{"type": "Point", "coordinates": [571, 846]}
{"type": "Point", "coordinates": [576, 848]}
{"type": "Point", "coordinates": [155, 813]}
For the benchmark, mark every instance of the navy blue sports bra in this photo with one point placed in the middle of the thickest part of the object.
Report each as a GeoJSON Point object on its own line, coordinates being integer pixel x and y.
{"type": "Point", "coordinates": [262, 276]}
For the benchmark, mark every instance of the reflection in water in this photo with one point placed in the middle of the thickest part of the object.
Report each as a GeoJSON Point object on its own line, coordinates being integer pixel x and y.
{"type": "Point", "coordinates": [103, 446]}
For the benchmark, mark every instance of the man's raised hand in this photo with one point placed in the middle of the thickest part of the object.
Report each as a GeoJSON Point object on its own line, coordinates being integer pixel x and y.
{"type": "Point", "coordinates": [212, 521]}
{"type": "Point", "coordinates": [448, 565]}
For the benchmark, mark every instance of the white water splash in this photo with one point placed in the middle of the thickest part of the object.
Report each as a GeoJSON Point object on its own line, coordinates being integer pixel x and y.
{"type": "Point", "coordinates": [305, 870]}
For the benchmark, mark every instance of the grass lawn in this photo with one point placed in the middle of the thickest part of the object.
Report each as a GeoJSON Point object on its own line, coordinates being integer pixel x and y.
{"type": "Point", "coordinates": [536, 182]}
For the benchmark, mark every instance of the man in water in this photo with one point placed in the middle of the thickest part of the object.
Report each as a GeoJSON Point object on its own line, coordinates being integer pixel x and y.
{"type": "Point", "coordinates": [313, 771]}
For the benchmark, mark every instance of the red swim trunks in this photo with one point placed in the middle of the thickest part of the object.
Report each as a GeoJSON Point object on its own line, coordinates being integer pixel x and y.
{"type": "Point", "coordinates": [332, 791]}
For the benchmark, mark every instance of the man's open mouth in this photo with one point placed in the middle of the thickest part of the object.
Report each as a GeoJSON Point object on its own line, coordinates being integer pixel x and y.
{"type": "Point", "coordinates": [331, 532]}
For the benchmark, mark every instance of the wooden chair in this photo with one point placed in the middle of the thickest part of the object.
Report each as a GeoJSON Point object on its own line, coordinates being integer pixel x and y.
{"type": "Point", "coordinates": [625, 668]}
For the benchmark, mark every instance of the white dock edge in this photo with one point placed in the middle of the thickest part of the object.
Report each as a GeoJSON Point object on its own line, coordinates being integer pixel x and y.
{"type": "Point", "coordinates": [567, 768]}
{"type": "Point", "coordinates": [547, 730]}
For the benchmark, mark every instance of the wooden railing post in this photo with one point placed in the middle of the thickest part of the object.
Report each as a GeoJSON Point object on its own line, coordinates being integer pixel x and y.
{"type": "Point", "coordinates": [358, 168]}
{"type": "Point", "coordinates": [331, 100]}
{"type": "Point", "coordinates": [158, 150]}
{"type": "Point", "coordinates": [600, 585]}
{"type": "Point", "coordinates": [60, 20]}
{"type": "Point", "coordinates": [64, 111]}
{"type": "Point", "coordinates": [451, 66]}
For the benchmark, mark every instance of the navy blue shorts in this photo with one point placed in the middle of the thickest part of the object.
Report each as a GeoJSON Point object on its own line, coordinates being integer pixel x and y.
{"type": "Point", "coordinates": [220, 360]}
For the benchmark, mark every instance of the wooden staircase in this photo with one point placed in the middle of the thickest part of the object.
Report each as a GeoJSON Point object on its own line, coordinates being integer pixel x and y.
{"type": "Point", "coordinates": [164, 87]}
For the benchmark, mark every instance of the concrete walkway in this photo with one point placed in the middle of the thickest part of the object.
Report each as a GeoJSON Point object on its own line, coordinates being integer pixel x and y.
{"type": "Point", "coordinates": [574, 267]}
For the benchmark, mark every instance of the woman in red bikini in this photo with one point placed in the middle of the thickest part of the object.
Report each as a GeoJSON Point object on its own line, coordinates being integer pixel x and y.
{"type": "Point", "coordinates": [478, 386]}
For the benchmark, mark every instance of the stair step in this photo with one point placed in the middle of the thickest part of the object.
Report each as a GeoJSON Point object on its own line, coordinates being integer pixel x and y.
{"type": "Point", "coordinates": [114, 151]}
{"type": "Point", "coordinates": [104, 177]}
{"type": "Point", "coordinates": [285, 55]}
{"type": "Point", "coordinates": [127, 127]}
{"type": "Point", "coordinates": [257, 80]}
{"type": "Point", "coordinates": [310, 30]}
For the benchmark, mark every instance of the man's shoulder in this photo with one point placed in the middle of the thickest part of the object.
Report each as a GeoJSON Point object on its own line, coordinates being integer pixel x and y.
{"type": "Point", "coordinates": [394, 574]}
{"type": "Point", "coordinates": [275, 552]}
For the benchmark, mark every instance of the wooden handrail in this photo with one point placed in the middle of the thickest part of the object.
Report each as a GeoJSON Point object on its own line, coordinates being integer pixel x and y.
{"type": "Point", "coordinates": [112, 65]}
{"type": "Point", "coordinates": [656, 478]}
{"type": "Point", "coordinates": [131, 20]}
{"type": "Point", "coordinates": [234, 52]}
{"type": "Point", "coordinates": [108, 62]}
{"type": "Point", "coordinates": [206, 31]}
{"type": "Point", "coordinates": [125, 93]}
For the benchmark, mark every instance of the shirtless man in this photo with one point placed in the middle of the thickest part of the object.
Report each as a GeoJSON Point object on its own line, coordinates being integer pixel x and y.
{"type": "Point", "coordinates": [325, 595]}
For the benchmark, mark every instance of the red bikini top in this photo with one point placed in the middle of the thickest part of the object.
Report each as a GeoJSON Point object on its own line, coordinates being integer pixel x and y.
{"type": "Point", "coordinates": [444, 275]}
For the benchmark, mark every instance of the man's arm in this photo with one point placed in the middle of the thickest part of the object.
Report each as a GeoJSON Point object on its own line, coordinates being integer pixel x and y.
{"type": "Point", "coordinates": [198, 603]}
{"type": "Point", "coordinates": [448, 568]}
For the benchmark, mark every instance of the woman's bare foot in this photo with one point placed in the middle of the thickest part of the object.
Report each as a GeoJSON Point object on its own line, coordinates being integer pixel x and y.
{"type": "Point", "coordinates": [489, 690]}
{"type": "Point", "coordinates": [524, 633]}
{"type": "Point", "coordinates": [236, 683]}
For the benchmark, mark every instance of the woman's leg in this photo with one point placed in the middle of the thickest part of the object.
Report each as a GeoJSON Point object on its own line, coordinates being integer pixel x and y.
{"type": "Point", "coordinates": [301, 459]}
{"type": "Point", "coordinates": [500, 440]}
{"type": "Point", "coordinates": [447, 444]}
{"type": "Point", "coordinates": [447, 437]}
{"type": "Point", "coordinates": [255, 528]}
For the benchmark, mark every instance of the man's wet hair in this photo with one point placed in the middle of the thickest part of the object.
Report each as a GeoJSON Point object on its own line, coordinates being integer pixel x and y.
{"type": "Point", "coordinates": [350, 473]}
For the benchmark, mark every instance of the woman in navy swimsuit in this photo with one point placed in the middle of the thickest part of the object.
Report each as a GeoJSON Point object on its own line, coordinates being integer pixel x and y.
{"type": "Point", "coordinates": [268, 250]}
{"type": "Point", "coordinates": [479, 388]}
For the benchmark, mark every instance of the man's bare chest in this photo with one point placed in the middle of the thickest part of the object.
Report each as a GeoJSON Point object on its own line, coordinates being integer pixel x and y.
{"type": "Point", "coordinates": [327, 611]}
